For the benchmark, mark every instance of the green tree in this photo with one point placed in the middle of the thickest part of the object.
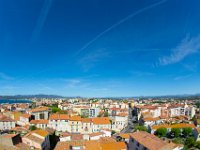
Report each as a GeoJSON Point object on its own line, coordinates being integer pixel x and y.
{"type": "Point", "coordinates": [63, 112]}
{"type": "Point", "coordinates": [178, 140]}
{"type": "Point", "coordinates": [84, 116]}
{"type": "Point", "coordinates": [190, 142]}
{"type": "Point", "coordinates": [161, 132]}
{"type": "Point", "coordinates": [106, 114]}
{"type": "Point", "coordinates": [187, 131]}
{"type": "Point", "coordinates": [32, 128]}
{"type": "Point", "coordinates": [141, 128]}
{"type": "Point", "coordinates": [54, 109]}
{"type": "Point", "coordinates": [197, 144]}
{"type": "Point", "coordinates": [113, 132]}
{"type": "Point", "coordinates": [198, 104]}
{"type": "Point", "coordinates": [175, 132]}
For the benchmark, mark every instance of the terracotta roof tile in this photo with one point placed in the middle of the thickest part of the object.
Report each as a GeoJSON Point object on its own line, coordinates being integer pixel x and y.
{"type": "Point", "coordinates": [5, 119]}
{"type": "Point", "coordinates": [150, 141]}
{"type": "Point", "coordinates": [41, 132]}
{"type": "Point", "coordinates": [41, 121]}
{"type": "Point", "coordinates": [180, 125]}
{"type": "Point", "coordinates": [26, 115]}
{"type": "Point", "coordinates": [59, 117]}
{"type": "Point", "coordinates": [40, 109]}
{"type": "Point", "coordinates": [75, 118]}
{"type": "Point", "coordinates": [101, 120]}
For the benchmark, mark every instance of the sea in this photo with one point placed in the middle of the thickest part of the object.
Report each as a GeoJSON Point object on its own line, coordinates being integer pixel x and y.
{"type": "Point", "coordinates": [12, 101]}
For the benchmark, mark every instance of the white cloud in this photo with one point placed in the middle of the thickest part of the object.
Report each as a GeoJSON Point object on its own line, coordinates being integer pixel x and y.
{"type": "Point", "coordinates": [187, 47]}
{"type": "Point", "coordinates": [94, 57]}
{"type": "Point", "coordinates": [182, 77]}
{"type": "Point", "coordinates": [5, 76]}
{"type": "Point", "coordinates": [141, 73]}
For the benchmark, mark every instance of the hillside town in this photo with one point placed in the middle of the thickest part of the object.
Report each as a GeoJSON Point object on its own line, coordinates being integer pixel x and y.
{"type": "Point", "coordinates": [103, 124]}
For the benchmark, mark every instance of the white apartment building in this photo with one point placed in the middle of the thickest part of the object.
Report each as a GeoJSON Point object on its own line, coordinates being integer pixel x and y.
{"type": "Point", "coordinates": [119, 122]}
{"type": "Point", "coordinates": [6, 123]}
{"type": "Point", "coordinates": [59, 122]}
{"type": "Point", "coordinates": [40, 113]}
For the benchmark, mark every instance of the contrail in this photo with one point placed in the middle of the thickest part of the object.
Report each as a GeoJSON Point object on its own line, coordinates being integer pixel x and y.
{"type": "Point", "coordinates": [119, 23]}
{"type": "Point", "coordinates": [41, 20]}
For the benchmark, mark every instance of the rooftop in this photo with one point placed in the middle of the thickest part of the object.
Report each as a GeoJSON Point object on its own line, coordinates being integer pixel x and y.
{"type": "Point", "coordinates": [40, 109]}
{"type": "Point", "coordinates": [59, 117]}
{"type": "Point", "coordinates": [41, 121]}
{"type": "Point", "coordinates": [151, 142]}
{"type": "Point", "coordinates": [179, 125]}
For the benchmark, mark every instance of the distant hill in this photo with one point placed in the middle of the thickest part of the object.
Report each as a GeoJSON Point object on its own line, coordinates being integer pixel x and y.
{"type": "Point", "coordinates": [164, 97]}
{"type": "Point", "coordinates": [30, 96]}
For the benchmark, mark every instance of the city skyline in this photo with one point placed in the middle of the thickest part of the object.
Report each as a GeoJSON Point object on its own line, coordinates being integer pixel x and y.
{"type": "Point", "coordinates": [99, 48]}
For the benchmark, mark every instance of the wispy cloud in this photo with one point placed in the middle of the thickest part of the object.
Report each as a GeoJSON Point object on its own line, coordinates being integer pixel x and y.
{"type": "Point", "coordinates": [182, 77]}
{"type": "Point", "coordinates": [5, 76]}
{"type": "Point", "coordinates": [119, 23]}
{"type": "Point", "coordinates": [90, 60]}
{"type": "Point", "coordinates": [72, 82]}
{"type": "Point", "coordinates": [41, 20]}
{"type": "Point", "coordinates": [141, 73]}
{"type": "Point", "coordinates": [187, 47]}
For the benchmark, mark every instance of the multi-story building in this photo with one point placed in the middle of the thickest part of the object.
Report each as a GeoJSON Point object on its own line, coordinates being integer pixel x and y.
{"type": "Point", "coordinates": [75, 124]}
{"type": "Point", "coordinates": [59, 122]}
{"type": "Point", "coordinates": [24, 119]}
{"type": "Point", "coordinates": [38, 139]}
{"type": "Point", "coordinates": [40, 113]}
{"type": "Point", "coordinates": [119, 121]}
{"type": "Point", "coordinates": [42, 123]}
{"type": "Point", "coordinates": [101, 123]}
{"type": "Point", "coordinates": [145, 141]}
{"type": "Point", "coordinates": [6, 123]}
{"type": "Point", "coordinates": [90, 112]}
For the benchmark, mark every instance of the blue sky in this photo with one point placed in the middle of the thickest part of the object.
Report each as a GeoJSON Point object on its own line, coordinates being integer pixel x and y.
{"type": "Point", "coordinates": [99, 47]}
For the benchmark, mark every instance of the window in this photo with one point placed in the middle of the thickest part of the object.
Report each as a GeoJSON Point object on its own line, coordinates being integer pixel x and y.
{"type": "Point", "coordinates": [144, 148]}
{"type": "Point", "coordinates": [138, 144]}
{"type": "Point", "coordinates": [133, 140]}
{"type": "Point", "coordinates": [42, 116]}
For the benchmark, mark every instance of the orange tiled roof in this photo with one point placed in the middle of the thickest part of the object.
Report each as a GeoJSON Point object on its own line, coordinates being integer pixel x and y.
{"type": "Point", "coordinates": [41, 121]}
{"type": "Point", "coordinates": [102, 120]}
{"type": "Point", "coordinates": [5, 119]}
{"type": "Point", "coordinates": [59, 117]}
{"type": "Point", "coordinates": [86, 120]}
{"type": "Point", "coordinates": [114, 146]}
{"type": "Point", "coordinates": [16, 115]}
{"type": "Point", "coordinates": [26, 115]}
{"type": "Point", "coordinates": [125, 135]}
{"type": "Point", "coordinates": [180, 125]}
{"type": "Point", "coordinates": [40, 109]}
{"type": "Point", "coordinates": [151, 142]}
{"type": "Point", "coordinates": [41, 132]}
{"type": "Point", "coordinates": [96, 134]}
{"type": "Point", "coordinates": [75, 118]}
